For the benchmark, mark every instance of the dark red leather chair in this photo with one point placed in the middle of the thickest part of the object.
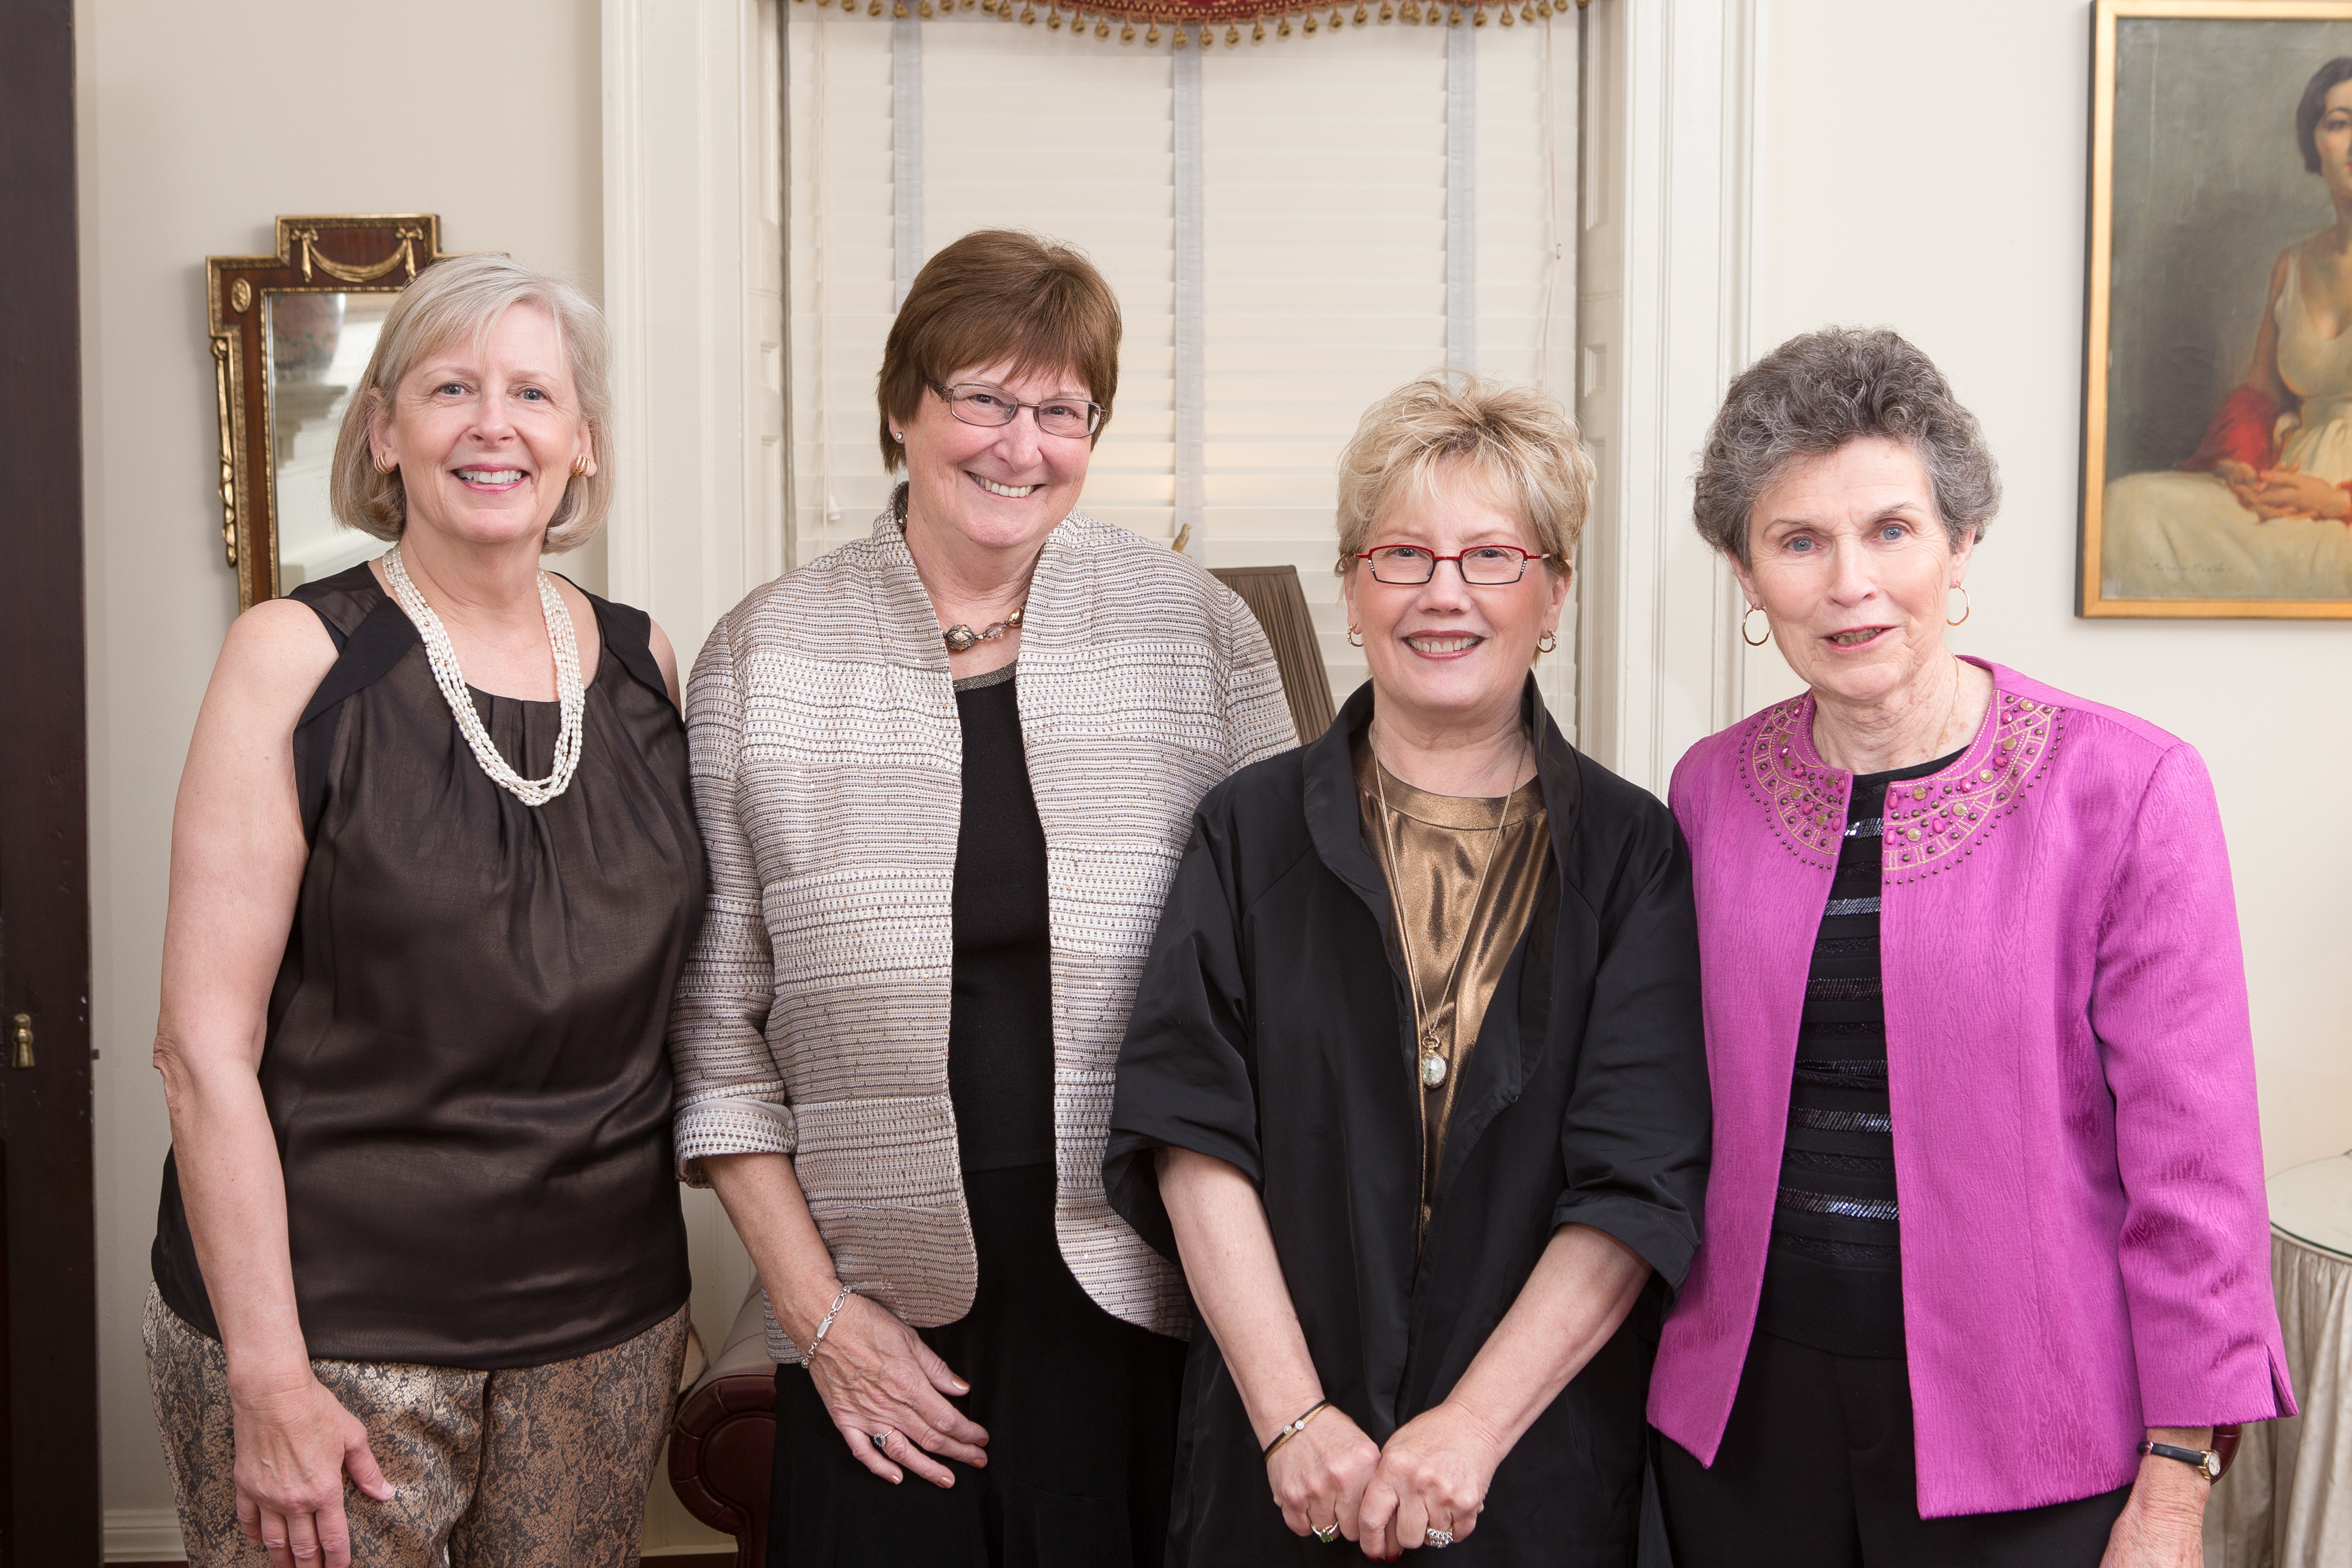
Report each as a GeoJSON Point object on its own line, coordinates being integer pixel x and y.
{"type": "Point", "coordinates": [724, 1441]}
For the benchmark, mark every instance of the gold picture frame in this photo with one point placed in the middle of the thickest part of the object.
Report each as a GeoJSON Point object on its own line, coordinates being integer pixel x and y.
{"type": "Point", "coordinates": [2203, 201]}
{"type": "Point", "coordinates": [268, 318]}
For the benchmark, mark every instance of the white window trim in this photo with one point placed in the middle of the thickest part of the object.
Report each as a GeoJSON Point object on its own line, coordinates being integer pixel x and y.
{"type": "Point", "coordinates": [694, 294]}
{"type": "Point", "coordinates": [1665, 265]}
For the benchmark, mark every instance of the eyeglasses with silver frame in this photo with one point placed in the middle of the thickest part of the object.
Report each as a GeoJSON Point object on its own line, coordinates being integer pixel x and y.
{"type": "Point", "coordinates": [977, 403]}
{"type": "Point", "coordinates": [1482, 566]}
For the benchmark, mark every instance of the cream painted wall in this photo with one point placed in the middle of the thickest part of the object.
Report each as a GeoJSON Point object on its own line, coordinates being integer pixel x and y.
{"type": "Point", "coordinates": [1924, 167]}
{"type": "Point", "coordinates": [198, 125]}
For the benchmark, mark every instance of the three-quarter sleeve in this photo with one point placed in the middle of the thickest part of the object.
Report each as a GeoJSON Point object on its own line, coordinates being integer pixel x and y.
{"type": "Point", "coordinates": [1183, 1080]}
{"type": "Point", "coordinates": [2169, 1007]}
{"type": "Point", "coordinates": [1258, 710]}
{"type": "Point", "coordinates": [730, 1095]}
{"type": "Point", "coordinates": [1636, 1138]}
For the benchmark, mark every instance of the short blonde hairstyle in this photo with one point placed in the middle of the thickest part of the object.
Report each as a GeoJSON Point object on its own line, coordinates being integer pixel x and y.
{"type": "Point", "coordinates": [1518, 441]}
{"type": "Point", "coordinates": [462, 296]}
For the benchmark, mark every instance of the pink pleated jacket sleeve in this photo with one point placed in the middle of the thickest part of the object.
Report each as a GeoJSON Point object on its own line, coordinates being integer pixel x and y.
{"type": "Point", "coordinates": [2085, 1241]}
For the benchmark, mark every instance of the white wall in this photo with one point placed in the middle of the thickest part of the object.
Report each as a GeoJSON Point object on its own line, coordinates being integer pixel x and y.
{"type": "Point", "coordinates": [1925, 167]}
{"type": "Point", "coordinates": [198, 125]}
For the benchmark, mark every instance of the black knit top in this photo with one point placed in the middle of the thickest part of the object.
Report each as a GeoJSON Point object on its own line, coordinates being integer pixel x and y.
{"type": "Point", "coordinates": [1833, 1277]}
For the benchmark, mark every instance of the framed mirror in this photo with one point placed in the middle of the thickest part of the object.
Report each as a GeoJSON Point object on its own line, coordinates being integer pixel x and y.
{"type": "Point", "coordinates": [290, 336]}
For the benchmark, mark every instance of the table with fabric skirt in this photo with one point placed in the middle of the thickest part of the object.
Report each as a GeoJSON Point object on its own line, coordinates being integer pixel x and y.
{"type": "Point", "coordinates": [2288, 1499]}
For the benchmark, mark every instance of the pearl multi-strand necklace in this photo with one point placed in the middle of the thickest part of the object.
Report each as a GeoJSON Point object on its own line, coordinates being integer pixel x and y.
{"type": "Point", "coordinates": [569, 691]}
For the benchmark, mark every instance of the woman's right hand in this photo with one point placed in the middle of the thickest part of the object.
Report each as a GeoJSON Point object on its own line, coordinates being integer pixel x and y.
{"type": "Point", "coordinates": [876, 1377]}
{"type": "Point", "coordinates": [1319, 1476]}
{"type": "Point", "coordinates": [293, 1445]}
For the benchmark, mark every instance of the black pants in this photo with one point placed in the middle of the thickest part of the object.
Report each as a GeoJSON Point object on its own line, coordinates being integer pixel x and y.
{"type": "Point", "coordinates": [1817, 1470]}
{"type": "Point", "coordinates": [1080, 1410]}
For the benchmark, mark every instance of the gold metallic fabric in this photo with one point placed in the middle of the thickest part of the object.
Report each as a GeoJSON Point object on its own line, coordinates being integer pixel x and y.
{"type": "Point", "coordinates": [521, 1468]}
{"type": "Point", "coordinates": [1440, 844]}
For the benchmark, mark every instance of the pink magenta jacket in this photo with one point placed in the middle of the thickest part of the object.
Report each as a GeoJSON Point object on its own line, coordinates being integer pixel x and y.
{"type": "Point", "coordinates": [2085, 1241]}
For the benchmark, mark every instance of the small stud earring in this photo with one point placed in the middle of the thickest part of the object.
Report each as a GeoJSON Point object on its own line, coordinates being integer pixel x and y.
{"type": "Point", "coordinates": [1355, 636]}
{"type": "Point", "coordinates": [583, 467]}
{"type": "Point", "coordinates": [900, 436]}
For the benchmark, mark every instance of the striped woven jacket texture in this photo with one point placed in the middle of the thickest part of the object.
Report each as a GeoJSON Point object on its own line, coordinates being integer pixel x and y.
{"type": "Point", "coordinates": [812, 1015]}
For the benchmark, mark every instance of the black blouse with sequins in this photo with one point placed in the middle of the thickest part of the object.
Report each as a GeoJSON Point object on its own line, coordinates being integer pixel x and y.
{"type": "Point", "coordinates": [1833, 1277]}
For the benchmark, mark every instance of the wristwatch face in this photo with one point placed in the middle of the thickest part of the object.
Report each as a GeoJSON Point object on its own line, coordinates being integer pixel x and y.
{"type": "Point", "coordinates": [2212, 1465]}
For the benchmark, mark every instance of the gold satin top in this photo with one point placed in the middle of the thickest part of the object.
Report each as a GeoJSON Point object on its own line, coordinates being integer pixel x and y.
{"type": "Point", "coordinates": [1432, 849]}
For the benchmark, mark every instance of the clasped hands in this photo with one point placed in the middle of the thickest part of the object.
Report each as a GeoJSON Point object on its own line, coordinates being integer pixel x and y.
{"type": "Point", "coordinates": [1431, 1475]}
{"type": "Point", "coordinates": [2285, 491]}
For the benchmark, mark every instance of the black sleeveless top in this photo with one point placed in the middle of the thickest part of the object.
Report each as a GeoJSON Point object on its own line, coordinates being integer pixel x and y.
{"type": "Point", "coordinates": [465, 1065]}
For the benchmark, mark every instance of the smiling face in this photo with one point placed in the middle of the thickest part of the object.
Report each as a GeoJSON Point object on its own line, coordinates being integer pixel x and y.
{"type": "Point", "coordinates": [1849, 559]}
{"type": "Point", "coordinates": [1445, 655]}
{"type": "Point", "coordinates": [486, 432]}
{"type": "Point", "coordinates": [2331, 138]}
{"type": "Point", "coordinates": [1003, 487]}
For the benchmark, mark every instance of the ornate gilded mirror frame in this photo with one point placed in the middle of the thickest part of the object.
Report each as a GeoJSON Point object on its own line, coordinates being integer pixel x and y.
{"type": "Point", "coordinates": [277, 324]}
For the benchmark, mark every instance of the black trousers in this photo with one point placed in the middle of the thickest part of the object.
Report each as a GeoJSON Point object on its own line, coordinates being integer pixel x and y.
{"type": "Point", "coordinates": [1817, 1470]}
{"type": "Point", "coordinates": [1080, 1410]}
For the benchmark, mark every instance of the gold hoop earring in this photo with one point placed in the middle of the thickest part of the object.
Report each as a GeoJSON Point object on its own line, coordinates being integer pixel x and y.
{"type": "Point", "coordinates": [1355, 636]}
{"type": "Point", "coordinates": [384, 465]}
{"type": "Point", "coordinates": [1966, 608]}
{"type": "Point", "coordinates": [1547, 642]}
{"type": "Point", "coordinates": [1756, 642]}
{"type": "Point", "coordinates": [583, 467]}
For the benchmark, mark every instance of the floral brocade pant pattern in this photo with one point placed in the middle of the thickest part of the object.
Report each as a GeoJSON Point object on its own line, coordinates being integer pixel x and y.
{"type": "Point", "coordinates": [526, 1465]}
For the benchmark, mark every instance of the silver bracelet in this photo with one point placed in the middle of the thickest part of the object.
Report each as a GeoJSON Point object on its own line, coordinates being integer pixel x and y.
{"type": "Point", "coordinates": [831, 1312]}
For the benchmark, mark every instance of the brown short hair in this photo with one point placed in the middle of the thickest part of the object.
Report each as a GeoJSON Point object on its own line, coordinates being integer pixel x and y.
{"type": "Point", "coordinates": [464, 296]}
{"type": "Point", "coordinates": [1518, 441]}
{"type": "Point", "coordinates": [998, 294]}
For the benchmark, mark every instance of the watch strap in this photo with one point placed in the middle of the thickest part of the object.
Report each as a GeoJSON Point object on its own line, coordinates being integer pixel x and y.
{"type": "Point", "coordinates": [2206, 1462]}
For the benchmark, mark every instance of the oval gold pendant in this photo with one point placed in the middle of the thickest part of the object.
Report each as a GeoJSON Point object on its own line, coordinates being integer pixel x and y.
{"type": "Point", "coordinates": [1432, 1070]}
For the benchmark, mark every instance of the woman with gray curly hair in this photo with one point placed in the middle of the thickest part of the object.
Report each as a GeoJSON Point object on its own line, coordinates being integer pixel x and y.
{"type": "Point", "coordinates": [435, 868]}
{"type": "Point", "coordinates": [1984, 1267]}
{"type": "Point", "coordinates": [1414, 1085]}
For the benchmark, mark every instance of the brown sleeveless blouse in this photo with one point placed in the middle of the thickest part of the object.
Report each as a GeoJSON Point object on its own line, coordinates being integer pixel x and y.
{"type": "Point", "coordinates": [465, 1063]}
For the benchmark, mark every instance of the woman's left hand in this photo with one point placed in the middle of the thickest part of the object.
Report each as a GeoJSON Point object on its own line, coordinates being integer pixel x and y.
{"type": "Point", "coordinates": [2163, 1525]}
{"type": "Point", "coordinates": [1433, 1474]}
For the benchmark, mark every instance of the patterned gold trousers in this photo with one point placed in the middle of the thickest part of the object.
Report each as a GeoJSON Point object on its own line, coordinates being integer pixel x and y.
{"type": "Point", "coordinates": [515, 1469]}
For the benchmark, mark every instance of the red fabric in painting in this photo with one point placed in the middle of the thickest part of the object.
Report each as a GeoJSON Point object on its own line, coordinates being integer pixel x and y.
{"type": "Point", "coordinates": [2240, 432]}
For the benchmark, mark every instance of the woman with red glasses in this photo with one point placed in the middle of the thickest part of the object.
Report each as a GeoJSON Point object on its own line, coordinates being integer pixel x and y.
{"type": "Point", "coordinates": [1414, 1085]}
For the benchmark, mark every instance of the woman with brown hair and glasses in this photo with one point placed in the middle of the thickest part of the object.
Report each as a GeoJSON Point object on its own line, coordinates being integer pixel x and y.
{"type": "Point", "coordinates": [945, 775]}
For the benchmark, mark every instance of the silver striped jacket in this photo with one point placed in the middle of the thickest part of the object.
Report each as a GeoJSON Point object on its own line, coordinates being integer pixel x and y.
{"type": "Point", "coordinates": [812, 1019]}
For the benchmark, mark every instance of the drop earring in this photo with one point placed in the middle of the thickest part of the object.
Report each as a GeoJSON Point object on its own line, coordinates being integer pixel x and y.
{"type": "Point", "coordinates": [1756, 642]}
{"type": "Point", "coordinates": [1965, 606]}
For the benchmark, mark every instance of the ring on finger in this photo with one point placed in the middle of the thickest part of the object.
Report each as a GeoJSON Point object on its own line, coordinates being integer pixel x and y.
{"type": "Point", "coordinates": [1438, 1537]}
{"type": "Point", "coordinates": [882, 1441]}
{"type": "Point", "coordinates": [1327, 1533]}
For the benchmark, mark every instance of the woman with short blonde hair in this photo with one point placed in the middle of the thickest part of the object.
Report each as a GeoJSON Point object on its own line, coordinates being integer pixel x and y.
{"type": "Point", "coordinates": [434, 871]}
{"type": "Point", "coordinates": [1415, 1086]}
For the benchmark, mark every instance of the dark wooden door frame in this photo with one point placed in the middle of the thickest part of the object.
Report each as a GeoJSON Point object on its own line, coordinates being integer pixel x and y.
{"type": "Point", "coordinates": [49, 1509]}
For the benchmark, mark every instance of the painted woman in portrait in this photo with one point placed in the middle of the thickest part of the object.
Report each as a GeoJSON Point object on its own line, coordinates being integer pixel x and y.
{"type": "Point", "coordinates": [2262, 509]}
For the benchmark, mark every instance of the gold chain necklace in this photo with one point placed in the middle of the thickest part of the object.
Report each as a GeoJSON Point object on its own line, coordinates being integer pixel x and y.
{"type": "Point", "coordinates": [1433, 1063]}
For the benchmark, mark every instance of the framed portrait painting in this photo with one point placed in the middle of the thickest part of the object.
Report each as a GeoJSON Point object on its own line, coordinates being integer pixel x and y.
{"type": "Point", "coordinates": [2217, 470]}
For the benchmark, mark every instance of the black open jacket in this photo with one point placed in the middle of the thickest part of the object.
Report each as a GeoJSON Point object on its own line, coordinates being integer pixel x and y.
{"type": "Point", "coordinates": [1273, 1029]}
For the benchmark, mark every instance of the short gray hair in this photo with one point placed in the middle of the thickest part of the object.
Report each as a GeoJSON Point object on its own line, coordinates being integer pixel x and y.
{"type": "Point", "coordinates": [1821, 390]}
{"type": "Point", "coordinates": [464, 296]}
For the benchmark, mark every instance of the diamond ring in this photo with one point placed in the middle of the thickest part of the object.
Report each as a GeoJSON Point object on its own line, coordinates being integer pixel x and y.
{"type": "Point", "coordinates": [882, 1441]}
{"type": "Point", "coordinates": [1438, 1537]}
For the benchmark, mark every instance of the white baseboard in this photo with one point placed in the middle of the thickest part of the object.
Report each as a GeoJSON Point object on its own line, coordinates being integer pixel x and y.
{"type": "Point", "coordinates": [143, 1536]}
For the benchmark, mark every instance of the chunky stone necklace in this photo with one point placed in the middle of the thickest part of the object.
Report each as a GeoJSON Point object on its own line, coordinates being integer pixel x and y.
{"type": "Point", "coordinates": [569, 692]}
{"type": "Point", "coordinates": [959, 638]}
